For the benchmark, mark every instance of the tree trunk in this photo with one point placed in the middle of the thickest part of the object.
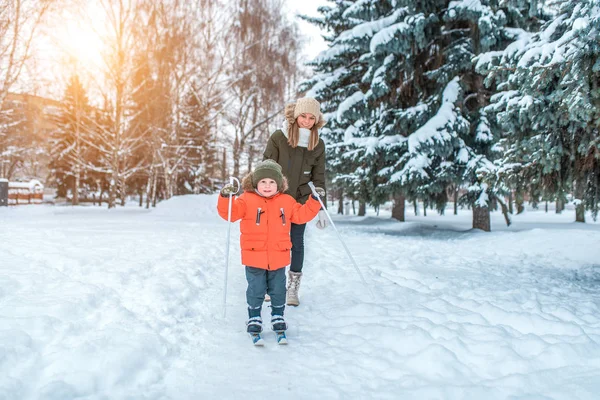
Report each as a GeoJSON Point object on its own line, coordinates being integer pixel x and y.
{"type": "Point", "coordinates": [167, 177]}
{"type": "Point", "coordinates": [579, 194]}
{"type": "Point", "coordinates": [123, 193]}
{"type": "Point", "coordinates": [560, 205]}
{"type": "Point", "coordinates": [510, 203]}
{"type": "Point", "coordinates": [398, 211]}
{"type": "Point", "coordinates": [154, 190]}
{"type": "Point", "coordinates": [416, 206]}
{"type": "Point", "coordinates": [224, 165]}
{"type": "Point", "coordinates": [149, 187]}
{"type": "Point", "coordinates": [520, 202]}
{"type": "Point", "coordinates": [75, 200]}
{"type": "Point", "coordinates": [236, 157]}
{"type": "Point", "coordinates": [112, 193]}
{"type": "Point", "coordinates": [456, 201]}
{"type": "Point", "coordinates": [341, 203]}
{"type": "Point", "coordinates": [362, 208]}
{"type": "Point", "coordinates": [481, 218]}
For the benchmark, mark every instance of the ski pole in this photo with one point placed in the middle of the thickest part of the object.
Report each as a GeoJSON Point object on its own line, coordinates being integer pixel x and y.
{"type": "Point", "coordinates": [232, 180]}
{"type": "Point", "coordinates": [314, 191]}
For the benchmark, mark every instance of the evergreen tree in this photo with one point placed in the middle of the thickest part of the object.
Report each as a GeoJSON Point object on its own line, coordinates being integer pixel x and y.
{"type": "Point", "coordinates": [339, 86]}
{"type": "Point", "coordinates": [549, 101]}
{"type": "Point", "coordinates": [67, 147]}
{"type": "Point", "coordinates": [484, 28]}
{"type": "Point", "coordinates": [198, 140]}
{"type": "Point", "coordinates": [409, 117]}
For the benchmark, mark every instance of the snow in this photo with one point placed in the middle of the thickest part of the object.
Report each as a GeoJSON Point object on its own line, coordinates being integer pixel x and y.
{"type": "Point", "coordinates": [370, 28]}
{"type": "Point", "coordinates": [31, 185]}
{"type": "Point", "coordinates": [324, 81]}
{"type": "Point", "coordinates": [331, 53]}
{"type": "Point", "coordinates": [435, 128]}
{"type": "Point", "coordinates": [471, 5]}
{"type": "Point", "coordinates": [347, 104]}
{"type": "Point", "coordinates": [386, 35]}
{"type": "Point", "coordinates": [581, 24]}
{"type": "Point", "coordinates": [127, 304]}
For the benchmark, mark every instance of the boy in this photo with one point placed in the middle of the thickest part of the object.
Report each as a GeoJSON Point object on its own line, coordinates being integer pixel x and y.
{"type": "Point", "coordinates": [266, 214]}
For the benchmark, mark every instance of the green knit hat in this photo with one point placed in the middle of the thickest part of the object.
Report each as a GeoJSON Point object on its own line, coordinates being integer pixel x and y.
{"type": "Point", "coordinates": [267, 169]}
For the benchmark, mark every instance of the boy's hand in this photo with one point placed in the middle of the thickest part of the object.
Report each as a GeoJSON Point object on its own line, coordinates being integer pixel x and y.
{"type": "Point", "coordinates": [228, 190]}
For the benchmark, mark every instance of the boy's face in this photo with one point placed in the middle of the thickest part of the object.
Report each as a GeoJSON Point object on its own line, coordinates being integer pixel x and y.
{"type": "Point", "coordinates": [266, 187]}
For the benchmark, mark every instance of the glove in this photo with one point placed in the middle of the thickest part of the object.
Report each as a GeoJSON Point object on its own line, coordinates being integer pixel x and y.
{"type": "Point", "coordinates": [320, 192]}
{"type": "Point", "coordinates": [228, 190]}
{"type": "Point", "coordinates": [323, 221]}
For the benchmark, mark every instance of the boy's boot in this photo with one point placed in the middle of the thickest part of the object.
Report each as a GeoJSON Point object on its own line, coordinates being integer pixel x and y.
{"type": "Point", "coordinates": [254, 325]}
{"type": "Point", "coordinates": [278, 323]}
{"type": "Point", "coordinates": [293, 286]}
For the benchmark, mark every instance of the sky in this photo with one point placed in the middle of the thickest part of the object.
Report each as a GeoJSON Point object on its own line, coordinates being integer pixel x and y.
{"type": "Point", "coordinates": [315, 42]}
{"type": "Point", "coordinates": [127, 303]}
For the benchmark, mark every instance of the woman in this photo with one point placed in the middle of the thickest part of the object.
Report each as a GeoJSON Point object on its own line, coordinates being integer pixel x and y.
{"type": "Point", "coordinates": [301, 154]}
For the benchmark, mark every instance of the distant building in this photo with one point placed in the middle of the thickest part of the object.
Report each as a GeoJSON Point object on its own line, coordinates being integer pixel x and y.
{"type": "Point", "coordinates": [26, 122]}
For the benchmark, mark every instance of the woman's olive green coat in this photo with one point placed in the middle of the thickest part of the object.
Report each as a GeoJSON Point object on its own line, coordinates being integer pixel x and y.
{"type": "Point", "coordinates": [299, 164]}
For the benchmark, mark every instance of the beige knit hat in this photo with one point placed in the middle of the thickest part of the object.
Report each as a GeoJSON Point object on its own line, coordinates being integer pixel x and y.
{"type": "Point", "coordinates": [307, 105]}
{"type": "Point", "coordinates": [267, 169]}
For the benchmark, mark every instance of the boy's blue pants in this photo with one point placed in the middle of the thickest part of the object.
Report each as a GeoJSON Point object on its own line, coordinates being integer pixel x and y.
{"type": "Point", "coordinates": [261, 281]}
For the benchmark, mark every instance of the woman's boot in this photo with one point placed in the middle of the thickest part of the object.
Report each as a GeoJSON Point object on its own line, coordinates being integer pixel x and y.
{"type": "Point", "coordinates": [293, 286]}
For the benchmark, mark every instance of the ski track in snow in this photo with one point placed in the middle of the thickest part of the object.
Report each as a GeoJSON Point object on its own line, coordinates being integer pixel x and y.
{"type": "Point", "coordinates": [127, 304]}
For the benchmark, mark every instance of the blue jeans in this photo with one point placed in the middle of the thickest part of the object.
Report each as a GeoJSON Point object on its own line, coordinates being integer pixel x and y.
{"type": "Point", "coordinates": [261, 281]}
{"type": "Point", "coordinates": [297, 237]}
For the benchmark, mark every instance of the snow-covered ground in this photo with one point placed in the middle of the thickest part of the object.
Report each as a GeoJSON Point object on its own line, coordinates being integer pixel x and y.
{"type": "Point", "coordinates": [127, 304]}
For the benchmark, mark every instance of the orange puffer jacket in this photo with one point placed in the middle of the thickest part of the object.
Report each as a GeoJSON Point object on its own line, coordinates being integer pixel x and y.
{"type": "Point", "coordinates": [265, 226]}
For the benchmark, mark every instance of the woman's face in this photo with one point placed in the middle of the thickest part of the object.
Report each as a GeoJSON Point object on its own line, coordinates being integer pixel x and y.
{"type": "Point", "coordinates": [306, 120]}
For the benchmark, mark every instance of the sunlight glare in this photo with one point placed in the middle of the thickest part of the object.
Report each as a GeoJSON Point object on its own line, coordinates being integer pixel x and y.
{"type": "Point", "coordinates": [83, 44]}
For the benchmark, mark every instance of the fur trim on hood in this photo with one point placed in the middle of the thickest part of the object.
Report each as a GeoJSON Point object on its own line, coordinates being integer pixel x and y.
{"type": "Point", "coordinates": [248, 187]}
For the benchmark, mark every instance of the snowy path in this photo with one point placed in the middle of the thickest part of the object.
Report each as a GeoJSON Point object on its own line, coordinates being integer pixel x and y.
{"type": "Point", "coordinates": [127, 304]}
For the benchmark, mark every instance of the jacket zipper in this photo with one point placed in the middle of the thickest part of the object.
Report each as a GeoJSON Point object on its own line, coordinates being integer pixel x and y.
{"type": "Point", "coordinates": [282, 216]}
{"type": "Point", "coordinates": [258, 212]}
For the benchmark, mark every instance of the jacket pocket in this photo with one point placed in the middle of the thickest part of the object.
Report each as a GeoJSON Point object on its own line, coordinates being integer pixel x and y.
{"type": "Point", "coordinates": [254, 245]}
{"type": "Point", "coordinates": [283, 245]}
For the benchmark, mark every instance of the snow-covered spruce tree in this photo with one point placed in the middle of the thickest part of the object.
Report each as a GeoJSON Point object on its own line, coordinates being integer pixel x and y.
{"type": "Point", "coordinates": [67, 148]}
{"type": "Point", "coordinates": [415, 117]}
{"type": "Point", "coordinates": [337, 85]}
{"type": "Point", "coordinates": [483, 28]}
{"type": "Point", "coordinates": [550, 103]}
{"type": "Point", "coordinates": [409, 106]}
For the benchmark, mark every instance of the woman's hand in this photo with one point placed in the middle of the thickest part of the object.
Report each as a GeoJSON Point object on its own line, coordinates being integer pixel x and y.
{"type": "Point", "coordinates": [323, 221]}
